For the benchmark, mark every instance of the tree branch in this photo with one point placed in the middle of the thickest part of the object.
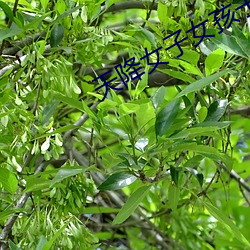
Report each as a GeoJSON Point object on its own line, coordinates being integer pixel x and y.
{"type": "Point", "coordinates": [21, 44]}
{"type": "Point", "coordinates": [16, 63]}
{"type": "Point", "coordinates": [236, 177]}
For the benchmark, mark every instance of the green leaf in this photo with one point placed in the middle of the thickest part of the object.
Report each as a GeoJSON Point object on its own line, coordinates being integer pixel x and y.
{"type": "Point", "coordinates": [13, 246]}
{"type": "Point", "coordinates": [227, 223]}
{"type": "Point", "coordinates": [219, 125]}
{"type": "Point", "coordinates": [9, 211]}
{"type": "Point", "coordinates": [194, 161]}
{"type": "Point", "coordinates": [158, 97]}
{"type": "Point", "coordinates": [204, 150]}
{"type": "Point", "coordinates": [49, 110]}
{"type": "Point", "coordinates": [142, 84]}
{"type": "Point", "coordinates": [41, 243]}
{"type": "Point", "coordinates": [66, 172]}
{"type": "Point", "coordinates": [174, 172]}
{"type": "Point", "coordinates": [44, 3]}
{"type": "Point", "coordinates": [98, 210]}
{"type": "Point", "coordinates": [70, 101]}
{"type": "Point", "coordinates": [7, 10]}
{"type": "Point", "coordinates": [190, 56]}
{"type": "Point", "coordinates": [214, 61]}
{"type": "Point", "coordinates": [193, 132]}
{"type": "Point", "coordinates": [189, 68]}
{"type": "Point", "coordinates": [49, 244]}
{"type": "Point", "coordinates": [35, 184]}
{"type": "Point", "coordinates": [198, 85]}
{"type": "Point", "coordinates": [132, 203]}
{"type": "Point", "coordinates": [198, 175]}
{"type": "Point", "coordinates": [9, 32]}
{"type": "Point", "coordinates": [226, 42]}
{"type": "Point", "coordinates": [142, 34]}
{"type": "Point", "coordinates": [188, 105]}
{"type": "Point", "coordinates": [117, 181]}
{"type": "Point", "coordinates": [8, 180]}
{"type": "Point", "coordinates": [128, 108]}
{"type": "Point", "coordinates": [166, 117]}
{"type": "Point", "coordinates": [216, 110]}
{"type": "Point", "coordinates": [173, 196]}
{"type": "Point", "coordinates": [177, 74]}
{"type": "Point", "coordinates": [162, 12]}
{"type": "Point", "coordinates": [56, 35]}
{"type": "Point", "coordinates": [202, 114]}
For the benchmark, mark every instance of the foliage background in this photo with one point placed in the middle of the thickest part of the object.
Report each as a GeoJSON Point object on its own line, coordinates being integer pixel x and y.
{"type": "Point", "coordinates": [163, 164]}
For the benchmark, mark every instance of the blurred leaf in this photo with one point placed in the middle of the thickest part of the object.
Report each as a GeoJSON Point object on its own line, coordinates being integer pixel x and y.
{"type": "Point", "coordinates": [158, 97]}
{"type": "Point", "coordinates": [198, 85]}
{"type": "Point", "coordinates": [128, 108]}
{"type": "Point", "coordinates": [41, 243]}
{"type": "Point", "coordinates": [173, 196]}
{"type": "Point", "coordinates": [98, 210]}
{"type": "Point", "coordinates": [143, 83]}
{"type": "Point", "coordinates": [70, 101]}
{"type": "Point", "coordinates": [226, 42]}
{"type": "Point", "coordinates": [9, 32]}
{"type": "Point", "coordinates": [44, 3]}
{"type": "Point", "coordinates": [228, 224]}
{"type": "Point", "coordinates": [8, 180]}
{"type": "Point", "coordinates": [56, 35]}
{"type": "Point", "coordinates": [198, 175]}
{"type": "Point", "coordinates": [190, 56]}
{"type": "Point", "coordinates": [202, 114]}
{"type": "Point", "coordinates": [49, 244]}
{"type": "Point", "coordinates": [5, 214]}
{"type": "Point", "coordinates": [48, 111]}
{"type": "Point", "coordinates": [67, 13]}
{"type": "Point", "coordinates": [143, 34]}
{"type": "Point", "coordinates": [7, 10]}
{"type": "Point", "coordinates": [117, 181]}
{"type": "Point", "coordinates": [219, 125]}
{"type": "Point", "coordinates": [162, 12]}
{"type": "Point", "coordinates": [131, 204]}
{"type": "Point", "coordinates": [66, 172]}
{"type": "Point", "coordinates": [13, 246]}
{"type": "Point", "coordinates": [178, 74]}
{"type": "Point", "coordinates": [166, 117]}
{"type": "Point", "coordinates": [189, 68]}
{"type": "Point", "coordinates": [193, 132]}
{"type": "Point", "coordinates": [34, 183]}
{"type": "Point", "coordinates": [194, 161]}
{"type": "Point", "coordinates": [214, 61]}
{"type": "Point", "coordinates": [174, 172]}
{"type": "Point", "coordinates": [216, 110]}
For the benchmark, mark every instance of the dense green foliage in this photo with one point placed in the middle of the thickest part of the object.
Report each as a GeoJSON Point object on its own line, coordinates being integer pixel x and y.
{"type": "Point", "coordinates": [163, 164]}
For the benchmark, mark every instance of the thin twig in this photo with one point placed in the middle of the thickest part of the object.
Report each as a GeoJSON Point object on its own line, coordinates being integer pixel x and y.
{"type": "Point", "coordinates": [235, 176]}
{"type": "Point", "coordinates": [244, 195]}
{"type": "Point", "coordinates": [148, 14]}
{"type": "Point", "coordinates": [37, 97]}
